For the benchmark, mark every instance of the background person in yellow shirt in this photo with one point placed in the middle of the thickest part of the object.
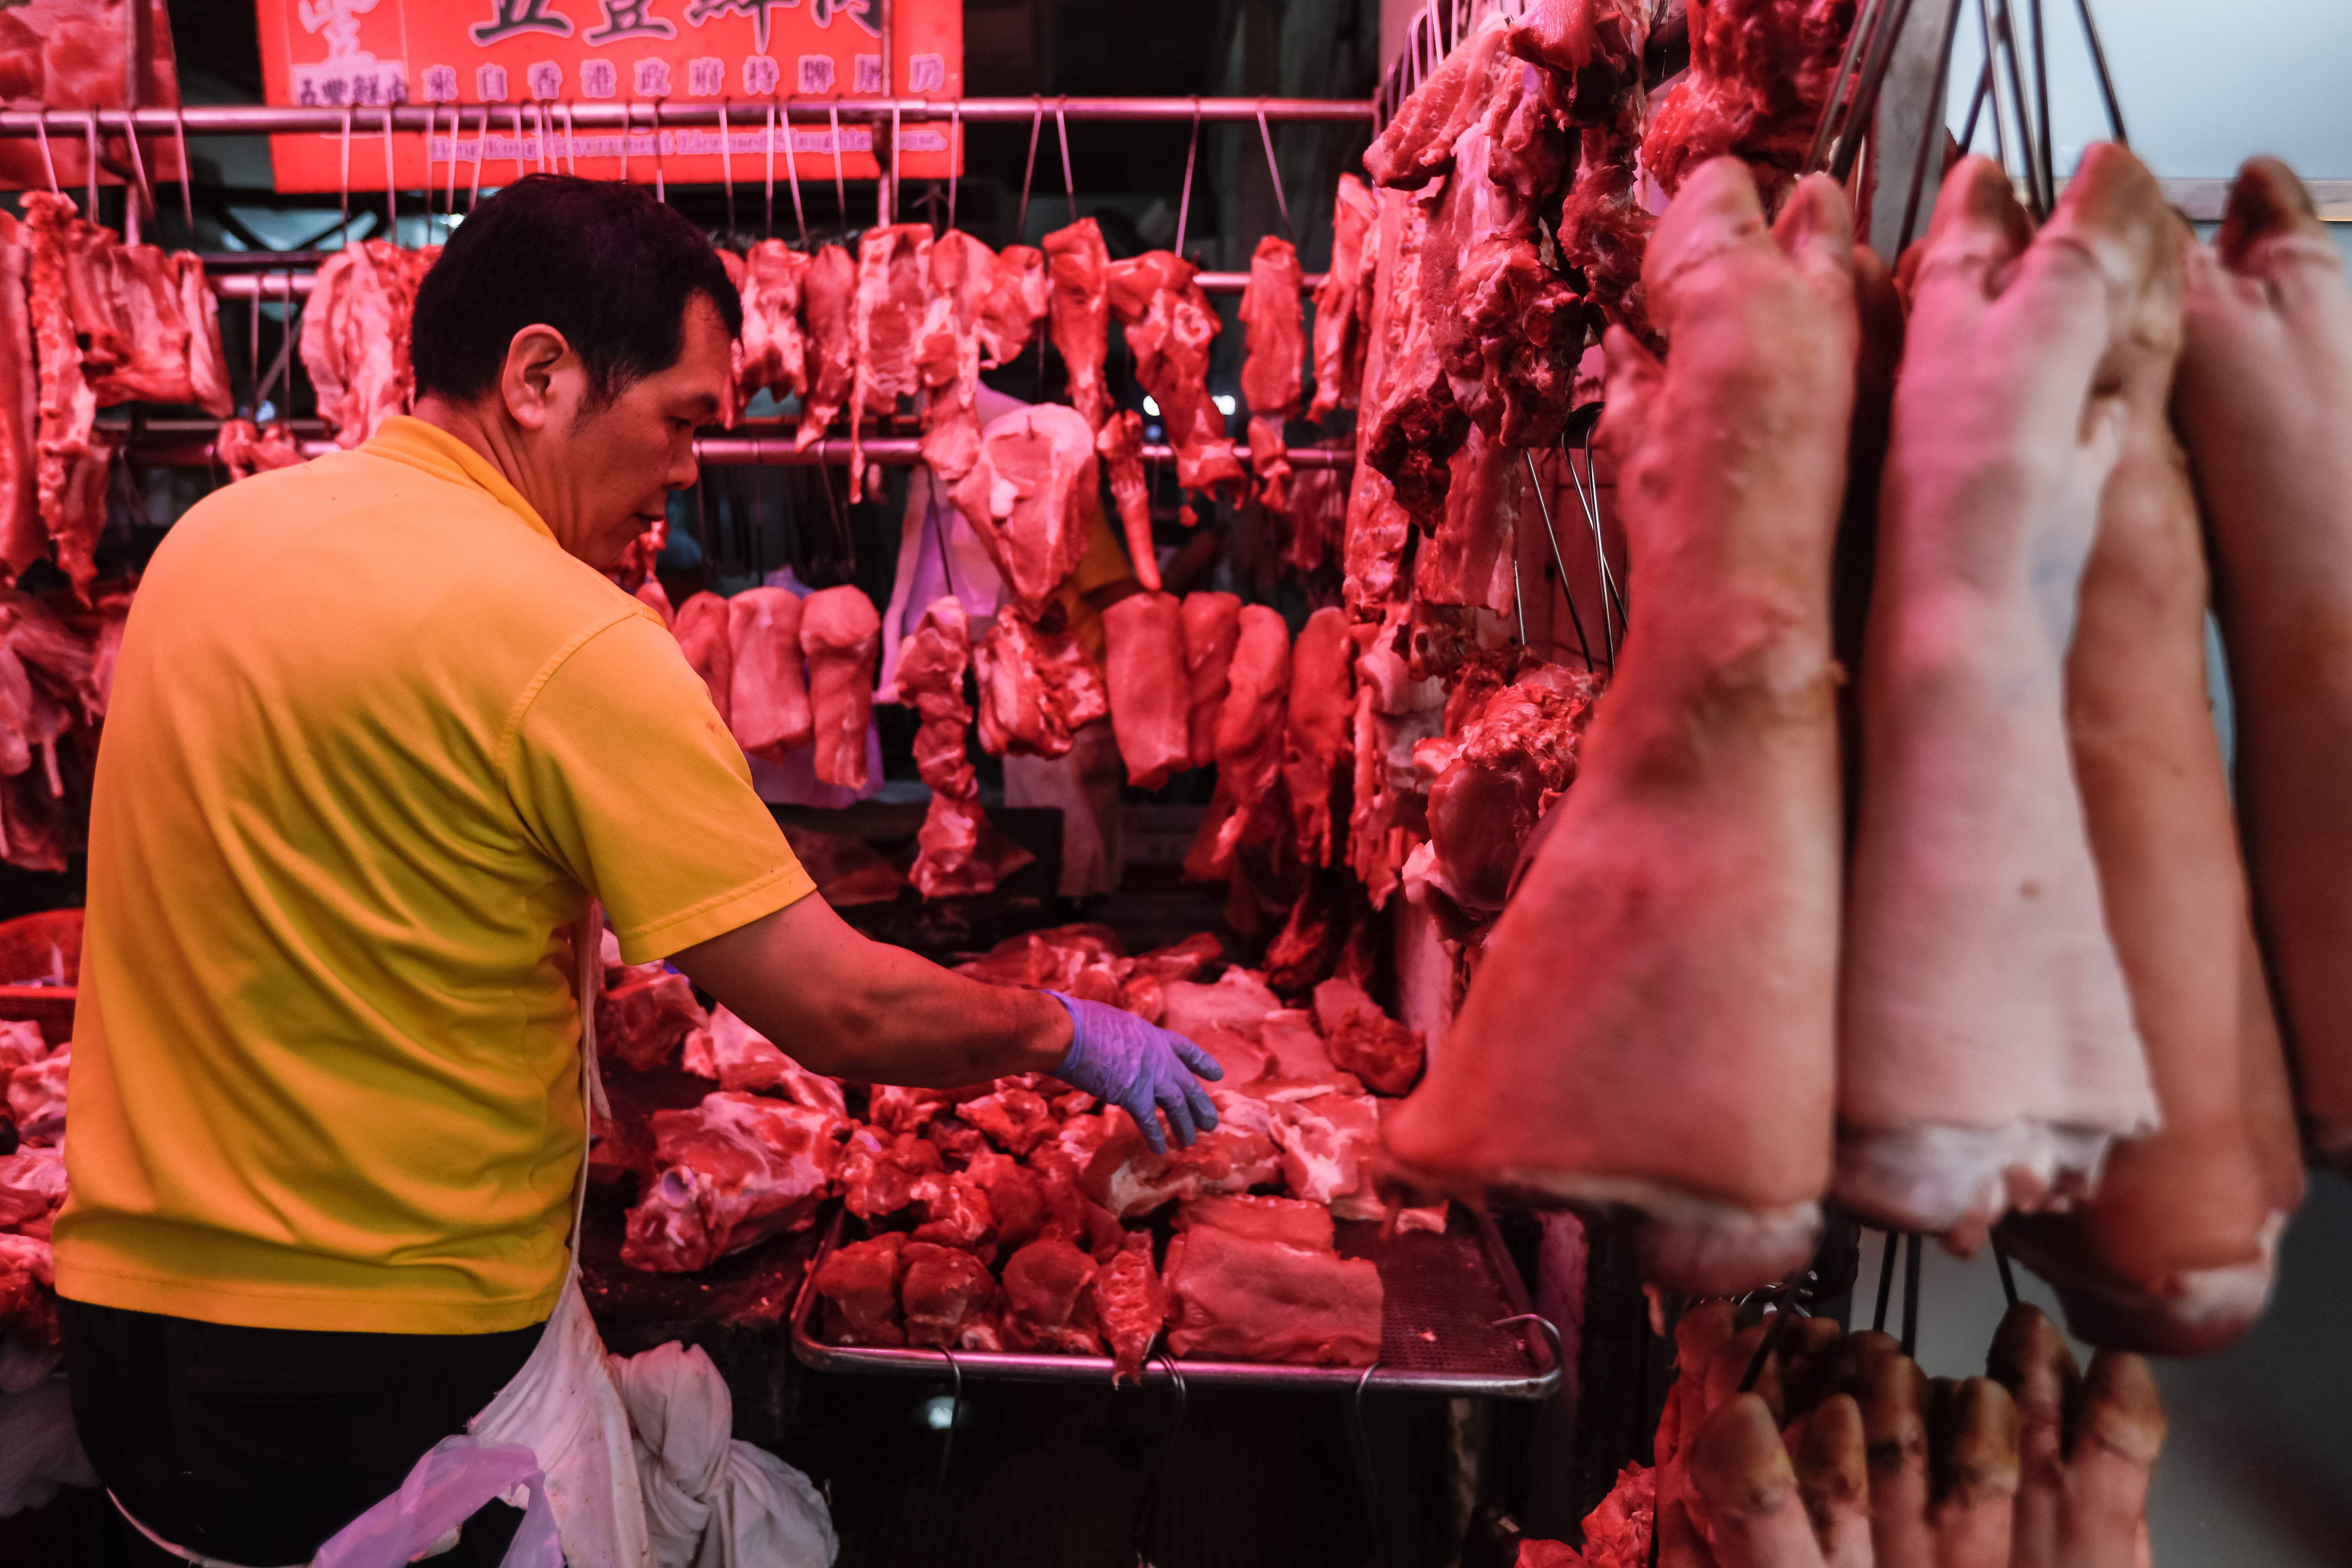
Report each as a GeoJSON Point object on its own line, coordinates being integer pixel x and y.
{"type": "Point", "coordinates": [380, 729]}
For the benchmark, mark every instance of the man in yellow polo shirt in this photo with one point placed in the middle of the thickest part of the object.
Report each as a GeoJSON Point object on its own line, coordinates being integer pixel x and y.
{"type": "Point", "coordinates": [380, 729]}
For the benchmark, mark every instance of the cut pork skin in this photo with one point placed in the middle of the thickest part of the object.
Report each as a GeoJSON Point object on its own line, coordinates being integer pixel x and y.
{"type": "Point", "coordinates": [841, 633]}
{"type": "Point", "coordinates": [1077, 263]}
{"type": "Point", "coordinates": [2264, 398]}
{"type": "Point", "coordinates": [828, 336]}
{"type": "Point", "coordinates": [22, 541]}
{"type": "Point", "coordinates": [2174, 1254]}
{"type": "Point", "coordinates": [1322, 704]}
{"type": "Point", "coordinates": [1988, 1053]}
{"type": "Point", "coordinates": [1212, 625]}
{"type": "Point", "coordinates": [1170, 328]}
{"type": "Point", "coordinates": [705, 634]}
{"type": "Point", "coordinates": [1343, 300]}
{"type": "Point", "coordinates": [932, 668]}
{"type": "Point", "coordinates": [1027, 498]}
{"type": "Point", "coordinates": [1249, 745]}
{"type": "Point", "coordinates": [1019, 293]}
{"type": "Point", "coordinates": [1037, 689]}
{"type": "Point", "coordinates": [1143, 665]}
{"type": "Point", "coordinates": [767, 699]}
{"type": "Point", "coordinates": [1272, 332]}
{"type": "Point", "coordinates": [958, 276]}
{"type": "Point", "coordinates": [1119, 444]}
{"type": "Point", "coordinates": [1678, 924]}
{"type": "Point", "coordinates": [886, 316]}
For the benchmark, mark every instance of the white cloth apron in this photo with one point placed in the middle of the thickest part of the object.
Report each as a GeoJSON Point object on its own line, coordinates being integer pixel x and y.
{"type": "Point", "coordinates": [554, 1441]}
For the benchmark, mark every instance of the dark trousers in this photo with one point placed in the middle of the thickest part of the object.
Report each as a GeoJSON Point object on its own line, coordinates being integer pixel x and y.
{"type": "Point", "coordinates": [255, 1446]}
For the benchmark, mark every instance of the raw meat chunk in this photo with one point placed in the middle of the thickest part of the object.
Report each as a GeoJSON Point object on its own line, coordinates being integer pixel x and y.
{"type": "Point", "coordinates": [886, 324]}
{"type": "Point", "coordinates": [1016, 1199]}
{"type": "Point", "coordinates": [740, 1056]}
{"type": "Point", "coordinates": [1036, 688]}
{"type": "Point", "coordinates": [959, 274]}
{"type": "Point", "coordinates": [1364, 1040]}
{"type": "Point", "coordinates": [1343, 300]}
{"type": "Point", "coordinates": [773, 357]}
{"type": "Point", "coordinates": [767, 701]}
{"type": "Point", "coordinates": [644, 1018]}
{"type": "Point", "coordinates": [931, 666]}
{"type": "Point", "coordinates": [879, 1171]}
{"type": "Point", "coordinates": [828, 332]}
{"type": "Point", "coordinates": [1119, 444]}
{"type": "Point", "coordinates": [1019, 293]}
{"type": "Point", "coordinates": [735, 1171]}
{"type": "Point", "coordinates": [1417, 144]}
{"type": "Point", "coordinates": [950, 1298]}
{"type": "Point", "coordinates": [1250, 1285]}
{"type": "Point", "coordinates": [1127, 1179]}
{"type": "Point", "coordinates": [1270, 318]}
{"type": "Point", "coordinates": [1049, 1300]}
{"type": "Point", "coordinates": [1212, 626]}
{"type": "Point", "coordinates": [1027, 498]}
{"type": "Point", "coordinates": [841, 633]}
{"type": "Point", "coordinates": [1249, 748]}
{"type": "Point", "coordinates": [32, 1188]}
{"type": "Point", "coordinates": [704, 632]}
{"type": "Point", "coordinates": [36, 1096]}
{"type": "Point", "coordinates": [1314, 741]}
{"type": "Point", "coordinates": [1131, 1304]}
{"type": "Point", "coordinates": [1144, 635]}
{"type": "Point", "coordinates": [859, 1283]}
{"type": "Point", "coordinates": [951, 1210]}
{"type": "Point", "coordinates": [1077, 263]}
{"type": "Point", "coordinates": [1760, 73]}
{"type": "Point", "coordinates": [1170, 327]}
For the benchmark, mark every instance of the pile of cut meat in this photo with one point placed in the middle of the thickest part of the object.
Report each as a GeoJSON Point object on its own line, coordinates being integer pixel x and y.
{"type": "Point", "coordinates": [86, 321]}
{"type": "Point", "coordinates": [32, 1188]}
{"type": "Point", "coordinates": [1019, 1214]}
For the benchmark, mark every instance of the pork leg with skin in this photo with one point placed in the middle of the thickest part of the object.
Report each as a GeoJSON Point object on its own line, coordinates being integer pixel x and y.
{"type": "Point", "coordinates": [1143, 665]}
{"type": "Point", "coordinates": [2174, 1254]}
{"type": "Point", "coordinates": [1749, 1502]}
{"type": "Point", "coordinates": [767, 703]}
{"type": "Point", "coordinates": [1973, 1463]}
{"type": "Point", "coordinates": [841, 633]}
{"type": "Point", "coordinates": [1678, 924]}
{"type": "Point", "coordinates": [2263, 401]}
{"type": "Point", "coordinates": [1989, 1052]}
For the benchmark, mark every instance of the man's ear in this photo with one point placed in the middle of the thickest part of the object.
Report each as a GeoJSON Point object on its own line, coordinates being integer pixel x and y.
{"type": "Point", "coordinates": [528, 379]}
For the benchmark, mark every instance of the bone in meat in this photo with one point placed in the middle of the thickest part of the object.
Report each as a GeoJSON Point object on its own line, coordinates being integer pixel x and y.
{"type": "Point", "coordinates": [1170, 327]}
{"type": "Point", "coordinates": [1989, 1052]}
{"type": "Point", "coordinates": [774, 359]}
{"type": "Point", "coordinates": [859, 1283]}
{"type": "Point", "coordinates": [1272, 332]}
{"type": "Point", "coordinates": [1761, 71]}
{"type": "Point", "coordinates": [1315, 741]}
{"type": "Point", "coordinates": [1019, 293]}
{"type": "Point", "coordinates": [1027, 498]}
{"type": "Point", "coordinates": [22, 541]}
{"type": "Point", "coordinates": [1119, 444]}
{"type": "Point", "coordinates": [705, 635]}
{"type": "Point", "coordinates": [734, 1170]}
{"type": "Point", "coordinates": [1212, 625]}
{"type": "Point", "coordinates": [2174, 1254]}
{"type": "Point", "coordinates": [842, 635]}
{"type": "Point", "coordinates": [1678, 923]}
{"type": "Point", "coordinates": [886, 326]}
{"type": "Point", "coordinates": [1037, 689]}
{"type": "Point", "coordinates": [767, 699]}
{"type": "Point", "coordinates": [1343, 300]}
{"type": "Point", "coordinates": [1249, 744]}
{"type": "Point", "coordinates": [1077, 265]}
{"type": "Point", "coordinates": [950, 1298]}
{"type": "Point", "coordinates": [930, 677]}
{"type": "Point", "coordinates": [2266, 382]}
{"type": "Point", "coordinates": [1131, 1304]}
{"type": "Point", "coordinates": [829, 342]}
{"type": "Point", "coordinates": [1144, 667]}
{"type": "Point", "coordinates": [740, 1056]}
{"type": "Point", "coordinates": [71, 459]}
{"type": "Point", "coordinates": [960, 272]}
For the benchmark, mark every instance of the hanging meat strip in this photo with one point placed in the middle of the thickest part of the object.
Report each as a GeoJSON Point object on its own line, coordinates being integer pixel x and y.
{"type": "Point", "coordinates": [1343, 300]}
{"type": "Point", "coordinates": [1651, 1024]}
{"type": "Point", "coordinates": [1395, 711]}
{"type": "Point", "coordinates": [1144, 666]}
{"type": "Point", "coordinates": [774, 359]}
{"type": "Point", "coordinates": [72, 457]}
{"type": "Point", "coordinates": [1468, 559]}
{"type": "Point", "coordinates": [1314, 741]}
{"type": "Point", "coordinates": [1273, 330]}
{"type": "Point", "coordinates": [1760, 73]}
{"type": "Point", "coordinates": [1416, 146]}
{"type": "Point", "coordinates": [1319, 519]}
{"type": "Point", "coordinates": [1079, 265]}
{"type": "Point", "coordinates": [1019, 293]}
{"type": "Point", "coordinates": [1028, 497]}
{"type": "Point", "coordinates": [245, 450]}
{"type": "Point", "coordinates": [1036, 688]}
{"type": "Point", "coordinates": [930, 677]}
{"type": "Point", "coordinates": [356, 335]}
{"type": "Point", "coordinates": [1246, 806]}
{"type": "Point", "coordinates": [1170, 327]}
{"type": "Point", "coordinates": [1212, 625]}
{"type": "Point", "coordinates": [841, 633]}
{"type": "Point", "coordinates": [2175, 1253]}
{"type": "Point", "coordinates": [829, 342]}
{"type": "Point", "coordinates": [1989, 1055]}
{"type": "Point", "coordinates": [704, 633]}
{"type": "Point", "coordinates": [1372, 547]}
{"type": "Point", "coordinates": [886, 326]}
{"type": "Point", "coordinates": [960, 271]}
{"type": "Point", "coordinates": [768, 702]}
{"type": "Point", "coordinates": [1119, 444]}
{"type": "Point", "coordinates": [2265, 389]}
{"type": "Point", "coordinates": [23, 539]}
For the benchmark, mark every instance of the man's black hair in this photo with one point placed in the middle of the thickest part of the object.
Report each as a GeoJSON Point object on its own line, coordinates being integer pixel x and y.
{"type": "Point", "coordinates": [604, 263]}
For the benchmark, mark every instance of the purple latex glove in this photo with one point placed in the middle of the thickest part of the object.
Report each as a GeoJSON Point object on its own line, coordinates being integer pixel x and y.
{"type": "Point", "coordinates": [1139, 1067]}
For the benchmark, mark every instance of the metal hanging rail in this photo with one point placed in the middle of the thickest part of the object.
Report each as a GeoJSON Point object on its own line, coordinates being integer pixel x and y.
{"type": "Point", "coordinates": [275, 277]}
{"type": "Point", "coordinates": [252, 119]}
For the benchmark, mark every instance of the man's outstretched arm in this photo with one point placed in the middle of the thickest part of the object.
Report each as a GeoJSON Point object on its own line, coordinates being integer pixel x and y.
{"type": "Point", "coordinates": [844, 1005]}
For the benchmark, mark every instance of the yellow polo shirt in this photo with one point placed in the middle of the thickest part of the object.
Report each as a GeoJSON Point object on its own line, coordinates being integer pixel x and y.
{"type": "Point", "coordinates": [375, 739]}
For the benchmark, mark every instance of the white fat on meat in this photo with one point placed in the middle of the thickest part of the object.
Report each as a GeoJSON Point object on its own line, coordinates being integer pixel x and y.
{"type": "Point", "coordinates": [768, 702]}
{"type": "Point", "coordinates": [1027, 496]}
{"type": "Point", "coordinates": [733, 1172]}
{"type": "Point", "coordinates": [740, 1056]}
{"type": "Point", "coordinates": [828, 335]}
{"type": "Point", "coordinates": [1170, 327]}
{"type": "Point", "coordinates": [1143, 666]}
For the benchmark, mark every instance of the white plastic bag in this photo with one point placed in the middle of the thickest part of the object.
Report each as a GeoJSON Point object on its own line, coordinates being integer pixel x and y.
{"type": "Point", "coordinates": [711, 1501]}
{"type": "Point", "coordinates": [40, 1451]}
{"type": "Point", "coordinates": [456, 1477]}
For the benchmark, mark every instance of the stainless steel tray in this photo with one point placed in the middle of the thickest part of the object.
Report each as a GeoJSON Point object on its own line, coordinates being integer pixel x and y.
{"type": "Point", "coordinates": [1444, 1329]}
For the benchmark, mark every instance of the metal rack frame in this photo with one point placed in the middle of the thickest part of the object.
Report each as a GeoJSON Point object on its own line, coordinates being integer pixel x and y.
{"type": "Point", "coordinates": [270, 276]}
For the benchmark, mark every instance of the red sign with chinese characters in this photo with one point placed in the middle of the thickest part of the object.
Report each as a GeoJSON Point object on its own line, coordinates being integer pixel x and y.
{"type": "Point", "coordinates": [504, 70]}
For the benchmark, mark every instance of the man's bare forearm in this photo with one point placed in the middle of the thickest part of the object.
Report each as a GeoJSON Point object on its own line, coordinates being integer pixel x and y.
{"type": "Point", "coordinates": [844, 1005]}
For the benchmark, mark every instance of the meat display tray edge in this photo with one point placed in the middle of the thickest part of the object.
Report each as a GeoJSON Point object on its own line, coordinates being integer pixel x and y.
{"type": "Point", "coordinates": [1414, 1275]}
